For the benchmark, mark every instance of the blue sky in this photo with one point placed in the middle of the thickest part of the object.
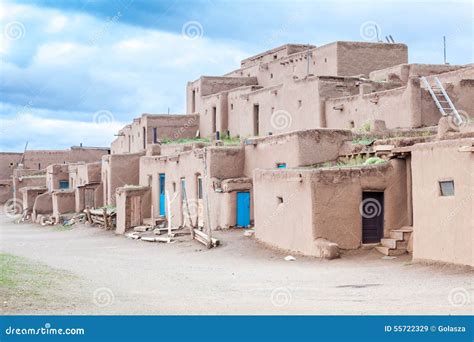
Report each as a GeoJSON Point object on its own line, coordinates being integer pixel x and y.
{"type": "Point", "coordinates": [76, 71]}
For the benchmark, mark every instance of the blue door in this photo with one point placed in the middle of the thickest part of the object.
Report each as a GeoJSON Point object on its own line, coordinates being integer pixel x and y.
{"type": "Point", "coordinates": [162, 195]}
{"type": "Point", "coordinates": [243, 209]}
{"type": "Point", "coordinates": [281, 165]}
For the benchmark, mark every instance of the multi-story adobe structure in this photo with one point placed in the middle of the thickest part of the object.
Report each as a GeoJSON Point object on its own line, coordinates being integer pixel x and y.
{"type": "Point", "coordinates": [308, 121]}
{"type": "Point", "coordinates": [277, 180]}
{"type": "Point", "coordinates": [29, 169]}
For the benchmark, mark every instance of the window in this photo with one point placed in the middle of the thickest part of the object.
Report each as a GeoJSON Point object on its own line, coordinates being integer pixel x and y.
{"type": "Point", "coordinates": [446, 188]}
{"type": "Point", "coordinates": [64, 184]}
{"type": "Point", "coordinates": [325, 60]}
{"type": "Point", "coordinates": [275, 57]}
{"type": "Point", "coordinates": [155, 135]}
{"type": "Point", "coordinates": [280, 200]}
{"type": "Point", "coordinates": [231, 106]}
{"type": "Point", "coordinates": [300, 103]}
{"type": "Point", "coordinates": [281, 165]}
{"type": "Point", "coordinates": [39, 166]}
{"type": "Point", "coordinates": [271, 75]}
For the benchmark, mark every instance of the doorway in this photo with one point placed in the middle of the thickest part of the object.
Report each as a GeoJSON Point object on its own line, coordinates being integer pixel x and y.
{"type": "Point", "coordinates": [256, 119]}
{"type": "Point", "coordinates": [372, 211]}
{"type": "Point", "coordinates": [214, 119]}
{"type": "Point", "coordinates": [135, 211]}
{"type": "Point", "coordinates": [243, 209]}
{"type": "Point", "coordinates": [162, 194]}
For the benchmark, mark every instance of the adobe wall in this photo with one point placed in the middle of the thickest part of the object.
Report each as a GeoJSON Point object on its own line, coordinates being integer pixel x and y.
{"type": "Point", "coordinates": [274, 54]}
{"type": "Point", "coordinates": [119, 170]}
{"type": "Point", "coordinates": [294, 207]}
{"type": "Point", "coordinates": [26, 179]}
{"type": "Point", "coordinates": [447, 233]}
{"type": "Point", "coordinates": [125, 209]}
{"type": "Point", "coordinates": [56, 173]}
{"type": "Point", "coordinates": [30, 194]}
{"type": "Point", "coordinates": [222, 163]}
{"type": "Point", "coordinates": [209, 104]}
{"type": "Point", "coordinates": [6, 190]}
{"type": "Point", "coordinates": [209, 85]}
{"type": "Point", "coordinates": [136, 137]}
{"type": "Point", "coordinates": [8, 161]}
{"type": "Point", "coordinates": [403, 72]}
{"type": "Point", "coordinates": [64, 201]}
{"type": "Point", "coordinates": [295, 105]}
{"type": "Point", "coordinates": [88, 173]}
{"type": "Point", "coordinates": [299, 148]}
{"type": "Point", "coordinates": [355, 58]}
{"type": "Point", "coordinates": [43, 205]}
{"type": "Point", "coordinates": [40, 159]}
{"type": "Point", "coordinates": [459, 85]}
{"type": "Point", "coordinates": [399, 107]}
{"type": "Point", "coordinates": [337, 195]}
{"type": "Point", "coordinates": [80, 203]}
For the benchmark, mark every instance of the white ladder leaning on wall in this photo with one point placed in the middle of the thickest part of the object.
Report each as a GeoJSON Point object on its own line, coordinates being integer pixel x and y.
{"type": "Point", "coordinates": [442, 100]}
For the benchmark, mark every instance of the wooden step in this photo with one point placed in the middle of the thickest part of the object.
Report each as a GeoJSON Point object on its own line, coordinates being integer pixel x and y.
{"type": "Point", "coordinates": [389, 251]}
{"type": "Point", "coordinates": [394, 243]}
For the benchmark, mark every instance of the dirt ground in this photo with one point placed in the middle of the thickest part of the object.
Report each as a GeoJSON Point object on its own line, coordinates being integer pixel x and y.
{"type": "Point", "coordinates": [85, 270]}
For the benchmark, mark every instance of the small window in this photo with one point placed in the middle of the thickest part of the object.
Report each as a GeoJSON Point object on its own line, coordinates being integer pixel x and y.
{"type": "Point", "coordinates": [174, 186]}
{"type": "Point", "coordinates": [280, 200]}
{"type": "Point", "coordinates": [271, 75]}
{"type": "Point", "coordinates": [275, 56]}
{"type": "Point", "coordinates": [300, 103]}
{"type": "Point", "coordinates": [351, 124]}
{"type": "Point", "coordinates": [155, 135]}
{"type": "Point", "coordinates": [325, 60]}
{"type": "Point", "coordinates": [231, 106]}
{"type": "Point", "coordinates": [39, 166]}
{"type": "Point", "coordinates": [446, 188]}
{"type": "Point", "coordinates": [281, 165]}
{"type": "Point", "coordinates": [64, 184]}
{"type": "Point", "coordinates": [150, 180]}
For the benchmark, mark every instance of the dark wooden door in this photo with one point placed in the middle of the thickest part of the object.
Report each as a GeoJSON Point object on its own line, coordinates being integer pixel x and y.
{"type": "Point", "coordinates": [135, 211]}
{"type": "Point", "coordinates": [372, 210]}
{"type": "Point", "coordinates": [89, 198]}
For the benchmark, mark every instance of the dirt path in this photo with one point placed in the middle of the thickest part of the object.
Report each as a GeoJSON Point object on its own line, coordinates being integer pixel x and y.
{"type": "Point", "coordinates": [116, 275]}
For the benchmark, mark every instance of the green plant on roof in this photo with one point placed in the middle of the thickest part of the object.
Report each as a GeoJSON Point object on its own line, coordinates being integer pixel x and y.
{"type": "Point", "coordinates": [166, 141]}
{"type": "Point", "coordinates": [373, 161]}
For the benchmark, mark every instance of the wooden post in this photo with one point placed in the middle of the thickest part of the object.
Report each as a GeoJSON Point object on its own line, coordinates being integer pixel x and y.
{"type": "Point", "coordinates": [88, 215]}
{"type": "Point", "coordinates": [168, 209]}
{"type": "Point", "coordinates": [105, 217]}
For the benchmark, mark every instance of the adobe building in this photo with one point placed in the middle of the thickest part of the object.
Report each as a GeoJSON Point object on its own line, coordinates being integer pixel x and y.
{"type": "Point", "coordinates": [146, 132]}
{"type": "Point", "coordinates": [320, 149]}
{"type": "Point", "coordinates": [150, 129]}
{"type": "Point", "coordinates": [28, 168]}
{"type": "Point", "coordinates": [313, 210]}
{"type": "Point", "coordinates": [340, 85]}
{"type": "Point", "coordinates": [443, 204]}
{"type": "Point", "coordinates": [211, 186]}
{"type": "Point", "coordinates": [85, 180]}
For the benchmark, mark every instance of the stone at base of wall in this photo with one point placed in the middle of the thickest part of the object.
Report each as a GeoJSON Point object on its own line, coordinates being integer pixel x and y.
{"type": "Point", "coordinates": [326, 249]}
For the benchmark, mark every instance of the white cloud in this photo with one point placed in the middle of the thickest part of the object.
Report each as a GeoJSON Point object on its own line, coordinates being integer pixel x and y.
{"type": "Point", "coordinates": [75, 64]}
{"type": "Point", "coordinates": [44, 133]}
